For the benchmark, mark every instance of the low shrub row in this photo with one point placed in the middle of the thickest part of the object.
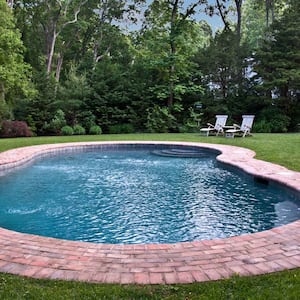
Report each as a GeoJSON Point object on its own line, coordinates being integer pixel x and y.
{"type": "Point", "coordinates": [79, 130]}
{"type": "Point", "coordinates": [10, 129]}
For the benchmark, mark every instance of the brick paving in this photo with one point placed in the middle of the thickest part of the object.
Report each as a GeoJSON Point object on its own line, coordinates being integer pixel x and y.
{"type": "Point", "coordinates": [251, 254]}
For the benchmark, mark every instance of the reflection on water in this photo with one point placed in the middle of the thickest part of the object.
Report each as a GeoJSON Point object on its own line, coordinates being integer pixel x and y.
{"type": "Point", "coordinates": [136, 197]}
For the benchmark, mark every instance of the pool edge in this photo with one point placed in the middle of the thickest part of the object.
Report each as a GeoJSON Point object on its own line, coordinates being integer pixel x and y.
{"type": "Point", "coordinates": [251, 254]}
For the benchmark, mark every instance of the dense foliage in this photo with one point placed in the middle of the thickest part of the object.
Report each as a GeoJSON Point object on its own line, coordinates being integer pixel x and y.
{"type": "Point", "coordinates": [155, 66]}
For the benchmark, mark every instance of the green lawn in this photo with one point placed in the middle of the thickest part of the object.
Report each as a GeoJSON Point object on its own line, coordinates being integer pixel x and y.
{"type": "Point", "coordinates": [279, 148]}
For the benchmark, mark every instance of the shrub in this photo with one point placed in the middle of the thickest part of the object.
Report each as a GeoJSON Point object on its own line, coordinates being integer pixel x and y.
{"type": "Point", "coordinates": [192, 123]}
{"type": "Point", "coordinates": [67, 130]}
{"type": "Point", "coordinates": [275, 118]}
{"type": "Point", "coordinates": [95, 129]}
{"type": "Point", "coordinates": [160, 119]}
{"type": "Point", "coordinates": [58, 121]}
{"type": "Point", "coordinates": [79, 130]}
{"type": "Point", "coordinates": [31, 124]}
{"type": "Point", "coordinates": [187, 128]}
{"type": "Point", "coordinates": [280, 123]}
{"type": "Point", "coordinates": [86, 119]}
{"type": "Point", "coordinates": [121, 128]}
{"type": "Point", "coordinates": [262, 126]}
{"type": "Point", "coordinates": [14, 129]}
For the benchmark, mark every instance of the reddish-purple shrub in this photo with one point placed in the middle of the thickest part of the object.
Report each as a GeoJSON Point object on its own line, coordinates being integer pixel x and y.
{"type": "Point", "coordinates": [14, 129]}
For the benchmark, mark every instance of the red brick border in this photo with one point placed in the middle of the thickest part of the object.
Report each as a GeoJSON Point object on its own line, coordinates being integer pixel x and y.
{"type": "Point", "coordinates": [264, 252]}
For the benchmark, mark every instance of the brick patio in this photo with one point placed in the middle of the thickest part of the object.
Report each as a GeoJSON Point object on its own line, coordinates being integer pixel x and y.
{"type": "Point", "coordinates": [252, 254]}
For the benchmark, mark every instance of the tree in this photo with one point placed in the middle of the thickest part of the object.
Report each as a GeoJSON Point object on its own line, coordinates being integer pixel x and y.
{"type": "Point", "coordinates": [42, 23]}
{"type": "Point", "coordinates": [172, 19]}
{"type": "Point", "coordinates": [278, 64]}
{"type": "Point", "coordinates": [14, 73]}
{"type": "Point", "coordinates": [253, 25]}
{"type": "Point", "coordinates": [113, 82]}
{"type": "Point", "coordinates": [257, 18]}
{"type": "Point", "coordinates": [73, 95]}
{"type": "Point", "coordinates": [57, 16]}
{"type": "Point", "coordinates": [221, 63]}
{"type": "Point", "coordinates": [273, 10]}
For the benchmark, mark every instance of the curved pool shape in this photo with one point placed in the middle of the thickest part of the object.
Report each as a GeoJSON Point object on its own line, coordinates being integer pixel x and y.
{"type": "Point", "coordinates": [140, 195]}
{"type": "Point", "coordinates": [248, 254]}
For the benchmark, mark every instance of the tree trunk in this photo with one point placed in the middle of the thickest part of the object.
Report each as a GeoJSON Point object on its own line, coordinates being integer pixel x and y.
{"type": "Point", "coordinates": [272, 10]}
{"type": "Point", "coordinates": [172, 71]}
{"type": "Point", "coordinates": [59, 66]}
{"type": "Point", "coordinates": [2, 92]}
{"type": "Point", "coordinates": [172, 53]}
{"type": "Point", "coordinates": [4, 109]}
{"type": "Point", "coordinates": [51, 50]}
{"type": "Point", "coordinates": [54, 30]}
{"type": "Point", "coordinates": [269, 6]}
{"type": "Point", "coordinates": [267, 13]}
{"type": "Point", "coordinates": [171, 86]}
{"type": "Point", "coordinates": [238, 4]}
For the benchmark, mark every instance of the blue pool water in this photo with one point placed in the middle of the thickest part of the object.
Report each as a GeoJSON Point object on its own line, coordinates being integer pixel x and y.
{"type": "Point", "coordinates": [134, 196]}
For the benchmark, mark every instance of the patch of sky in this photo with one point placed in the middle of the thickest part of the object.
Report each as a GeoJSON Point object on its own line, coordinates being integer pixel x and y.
{"type": "Point", "coordinates": [214, 21]}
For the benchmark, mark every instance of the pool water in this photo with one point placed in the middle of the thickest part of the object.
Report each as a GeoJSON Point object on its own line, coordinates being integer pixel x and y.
{"type": "Point", "coordinates": [133, 196]}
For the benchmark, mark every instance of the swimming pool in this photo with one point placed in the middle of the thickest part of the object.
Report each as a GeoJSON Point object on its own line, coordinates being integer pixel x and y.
{"type": "Point", "coordinates": [128, 195]}
{"type": "Point", "coordinates": [248, 254]}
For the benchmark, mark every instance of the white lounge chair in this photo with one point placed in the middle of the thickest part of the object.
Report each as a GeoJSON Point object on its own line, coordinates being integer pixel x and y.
{"type": "Point", "coordinates": [243, 130]}
{"type": "Point", "coordinates": [217, 128]}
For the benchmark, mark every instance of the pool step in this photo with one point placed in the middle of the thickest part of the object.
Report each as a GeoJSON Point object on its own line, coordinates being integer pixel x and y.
{"type": "Point", "coordinates": [179, 153]}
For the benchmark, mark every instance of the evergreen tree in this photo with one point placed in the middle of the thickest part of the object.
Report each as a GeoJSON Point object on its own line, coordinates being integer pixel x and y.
{"type": "Point", "coordinates": [222, 63]}
{"type": "Point", "coordinates": [278, 64]}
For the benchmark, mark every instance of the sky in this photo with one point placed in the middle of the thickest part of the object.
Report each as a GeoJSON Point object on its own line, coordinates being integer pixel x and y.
{"type": "Point", "coordinates": [215, 22]}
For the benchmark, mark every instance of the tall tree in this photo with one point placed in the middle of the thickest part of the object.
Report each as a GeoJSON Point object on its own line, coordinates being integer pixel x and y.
{"type": "Point", "coordinates": [52, 28]}
{"type": "Point", "coordinates": [253, 25]}
{"type": "Point", "coordinates": [271, 9]}
{"type": "Point", "coordinates": [278, 64]}
{"type": "Point", "coordinates": [257, 16]}
{"type": "Point", "coordinates": [221, 64]}
{"type": "Point", "coordinates": [14, 73]}
{"type": "Point", "coordinates": [58, 15]}
{"type": "Point", "coordinates": [172, 16]}
{"type": "Point", "coordinates": [45, 21]}
{"type": "Point", "coordinates": [101, 21]}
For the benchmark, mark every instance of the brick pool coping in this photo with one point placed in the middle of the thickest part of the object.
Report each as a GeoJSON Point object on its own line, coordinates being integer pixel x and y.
{"type": "Point", "coordinates": [250, 254]}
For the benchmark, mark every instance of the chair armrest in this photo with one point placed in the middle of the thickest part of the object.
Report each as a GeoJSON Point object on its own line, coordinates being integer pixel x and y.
{"type": "Point", "coordinates": [229, 127]}
{"type": "Point", "coordinates": [236, 125]}
{"type": "Point", "coordinates": [210, 125]}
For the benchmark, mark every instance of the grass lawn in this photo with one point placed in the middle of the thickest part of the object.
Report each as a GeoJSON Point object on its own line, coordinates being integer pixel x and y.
{"type": "Point", "coordinates": [282, 149]}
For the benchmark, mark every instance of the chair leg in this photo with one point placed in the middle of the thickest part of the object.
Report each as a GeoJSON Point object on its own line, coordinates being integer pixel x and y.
{"type": "Point", "coordinates": [245, 133]}
{"type": "Point", "coordinates": [229, 135]}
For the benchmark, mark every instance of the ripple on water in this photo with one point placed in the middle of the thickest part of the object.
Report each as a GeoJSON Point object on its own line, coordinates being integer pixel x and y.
{"type": "Point", "coordinates": [136, 197]}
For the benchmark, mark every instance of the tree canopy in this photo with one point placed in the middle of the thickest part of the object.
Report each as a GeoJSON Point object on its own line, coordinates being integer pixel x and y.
{"type": "Point", "coordinates": [14, 72]}
{"type": "Point", "coordinates": [134, 66]}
